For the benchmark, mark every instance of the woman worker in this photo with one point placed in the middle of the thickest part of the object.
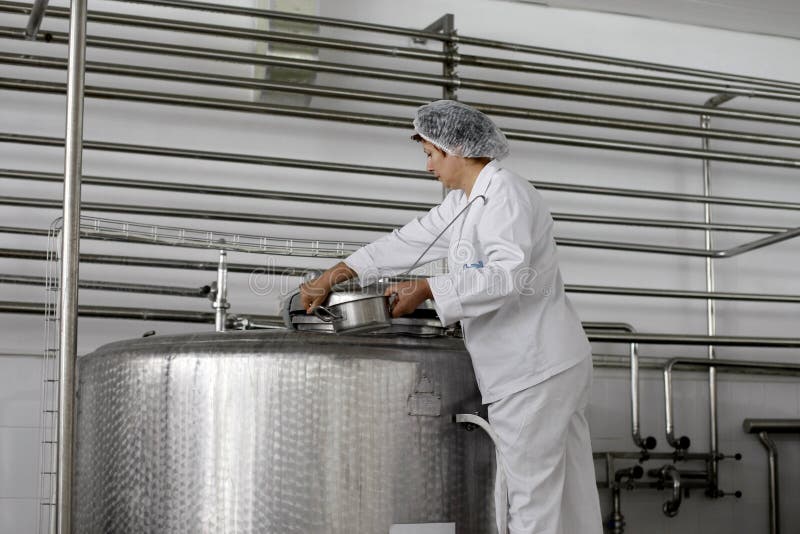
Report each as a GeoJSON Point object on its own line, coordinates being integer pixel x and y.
{"type": "Point", "coordinates": [531, 358]}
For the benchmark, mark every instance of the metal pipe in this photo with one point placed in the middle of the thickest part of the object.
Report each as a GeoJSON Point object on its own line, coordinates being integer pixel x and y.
{"type": "Point", "coordinates": [212, 54]}
{"type": "Point", "coordinates": [203, 214]}
{"type": "Point", "coordinates": [279, 15]}
{"type": "Point", "coordinates": [372, 96]}
{"type": "Point", "coordinates": [627, 475]}
{"type": "Point", "coordinates": [628, 78]}
{"type": "Point", "coordinates": [102, 17]}
{"type": "Point", "coordinates": [330, 166]}
{"type": "Point", "coordinates": [357, 225]}
{"type": "Point", "coordinates": [618, 361]}
{"type": "Point", "coordinates": [669, 472]}
{"type": "Point", "coordinates": [683, 443]}
{"type": "Point", "coordinates": [616, 100]}
{"type": "Point", "coordinates": [406, 76]}
{"type": "Point", "coordinates": [160, 185]}
{"type": "Point", "coordinates": [35, 18]}
{"type": "Point", "coordinates": [774, 498]}
{"type": "Point", "coordinates": [293, 17]}
{"type": "Point", "coordinates": [677, 293]}
{"type": "Point", "coordinates": [70, 250]}
{"type": "Point", "coordinates": [664, 195]}
{"type": "Point", "coordinates": [773, 426]}
{"type": "Point", "coordinates": [103, 285]}
{"type": "Point", "coordinates": [163, 263]}
{"type": "Point", "coordinates": [607, 60]}
{"type": "Point", "coordinates": [690, 339]}
{"type": "Point", "coordinates": [218, 156]}
{"type": "Point", "coordinates": [143, 314]}
{"type": "Point", "coordinates": [221, 304]}
{"type": "Point", "coordinates": [645, 444]}
{"type": "Point", "coordinates": [681, 251]}
{"type": "Point", "coordinates": [705, 123]}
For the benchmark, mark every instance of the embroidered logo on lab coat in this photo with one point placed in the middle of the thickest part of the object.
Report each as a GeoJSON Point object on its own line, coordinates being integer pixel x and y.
{"type": "Point", "coordinates": [478, 265]}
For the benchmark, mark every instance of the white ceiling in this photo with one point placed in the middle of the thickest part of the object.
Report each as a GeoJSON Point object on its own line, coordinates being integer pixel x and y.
{"type": "Point", "coordinates": [771, 17]}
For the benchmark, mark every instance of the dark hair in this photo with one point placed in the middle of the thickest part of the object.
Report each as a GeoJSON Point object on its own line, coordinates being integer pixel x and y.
{"type": "Point", "coordinates": [417, 137]}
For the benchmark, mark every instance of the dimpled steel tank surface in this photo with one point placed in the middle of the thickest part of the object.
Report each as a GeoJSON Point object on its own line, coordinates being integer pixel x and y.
{"type": "Point", "coordinates": [279, 432]}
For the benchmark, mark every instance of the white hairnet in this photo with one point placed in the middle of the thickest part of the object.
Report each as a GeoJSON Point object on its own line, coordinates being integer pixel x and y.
{"type": "Point", "coordinates": [460, 130]}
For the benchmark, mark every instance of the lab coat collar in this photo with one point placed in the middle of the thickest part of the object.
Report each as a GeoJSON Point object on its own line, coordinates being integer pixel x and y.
{"type": "Point", "coordinates": [481, 184]}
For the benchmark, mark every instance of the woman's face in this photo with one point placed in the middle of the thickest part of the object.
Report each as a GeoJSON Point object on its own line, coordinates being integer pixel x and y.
{"type": "Point", "coordinates": [445, 167]}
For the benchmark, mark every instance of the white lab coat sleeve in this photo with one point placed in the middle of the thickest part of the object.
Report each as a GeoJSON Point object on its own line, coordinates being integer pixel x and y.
{"type": "Point", "coordinates": [396, 252]}
{"type": "Point", "coordinates": [506, 235]}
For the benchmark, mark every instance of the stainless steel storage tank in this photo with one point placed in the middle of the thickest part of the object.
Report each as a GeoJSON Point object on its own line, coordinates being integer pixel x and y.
{"type": "Point", "coordinates": [279, 432]}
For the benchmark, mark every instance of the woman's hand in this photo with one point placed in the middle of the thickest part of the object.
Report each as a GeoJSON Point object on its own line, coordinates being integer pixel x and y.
{"type": "Point", "coordinates": [314, 292]}
{"type": "Point", "coordinates": [409, 295]}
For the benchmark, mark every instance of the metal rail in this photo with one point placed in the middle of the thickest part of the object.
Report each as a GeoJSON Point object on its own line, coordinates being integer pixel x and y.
{"type": "Point", "coordinates": [408, 76]}
{"type": "Point", "coordinates": [412, 53]}
{"type": "Point", "coordinates": [164, 185]}
{"type": "Point", "coordinates": [105, 207]}
{"type": "Point", "coordinates": [143, 314]}
{"type": "Point", "coordinates": [103, 285]}
{"type": "Point", "coordinates": [465, 40]}
{"type": "Point", "coordinates": [394, 122]}
{"type": "Point", "coordinates": [699, 340]}
{"type": "Point", "coordinates": [372, 96]}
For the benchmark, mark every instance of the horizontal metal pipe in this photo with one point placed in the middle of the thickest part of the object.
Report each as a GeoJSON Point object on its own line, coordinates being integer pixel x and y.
{"type": "Point", "coordinates": [779, 426]}
{"type": "Point", "coordinates": [357, 225]}
{"type": "Point", "coordinates": [208, 78]}
{"type": "Point", "coordinates": [163, 263]}
{"type": "Point", "coordinates": [211, 54]}
{"type": "Point", "coordinates": [628, 78]}
{"type": "Point", "coordinates": [334, 92]}
{"type": "Point", "coordinates": [645, 65]}
{"type": "Point", "coordinates": [152, 150]}
{"type": "Point", "coordinates": [664, 195]}
{"type": "Point", "coordinates": [160, 185]}
{"type": "Point", "coordinates": [681, 251]}
{"type": "Point", "coordinates": [615, 100]}
{"type": "Point", "coordinates": [103, 207]}
{"type": "Point", "coordinates": [486, 43]}
{"type": "Point", "coordinates": [570, 288]}
{"type": "Point", "coordinates": [406, 76]}
{"type": "Point", "coordinates": [316, 41]}
{"type": "Point", "coordinates": [103, 285]}
{"type": "Point", "coordinates": [690, 339]}
{"type": "Point", "coordinates": [402, 173]}
{"type": "Point", "coordinates": [681, 294]}
{"type": "Point", "coordinates": [293, 17]}
{"type": "Point", "coordinates": [616, 361]}
{"type": "Point", "coordinates": [643, 148]}
{"type": "Point", "coordinates": [144, 314]}
{"type": "Point", "coordinates": [397, 122]}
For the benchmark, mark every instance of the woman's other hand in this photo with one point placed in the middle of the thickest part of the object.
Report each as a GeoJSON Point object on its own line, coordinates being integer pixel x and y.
{"type": "Point", "coordinates": [409, 295]}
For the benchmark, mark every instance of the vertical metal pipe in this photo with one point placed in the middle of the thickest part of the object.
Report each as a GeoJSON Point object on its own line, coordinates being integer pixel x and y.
{"type": "Point", "coordinates": [713, 466]}
{"type": "Point", "coordinates": [710, 320]}
{"type": "Point", "coordinates": [221, 304]}
{"type": "Point", "coordinates": [70, 247]}
{"type": "Point", "coordinates": [772, 458]}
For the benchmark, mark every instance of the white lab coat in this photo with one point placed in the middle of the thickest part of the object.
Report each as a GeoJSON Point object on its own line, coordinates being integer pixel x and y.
{"type": "Point", "coordinates": [531, 357]}
{"type": "Point", "coordinates": [503, 284]}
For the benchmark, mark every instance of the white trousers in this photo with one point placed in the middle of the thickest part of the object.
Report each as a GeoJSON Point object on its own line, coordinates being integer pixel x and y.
{"type": "Point", "coordinates": [545, 451]}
